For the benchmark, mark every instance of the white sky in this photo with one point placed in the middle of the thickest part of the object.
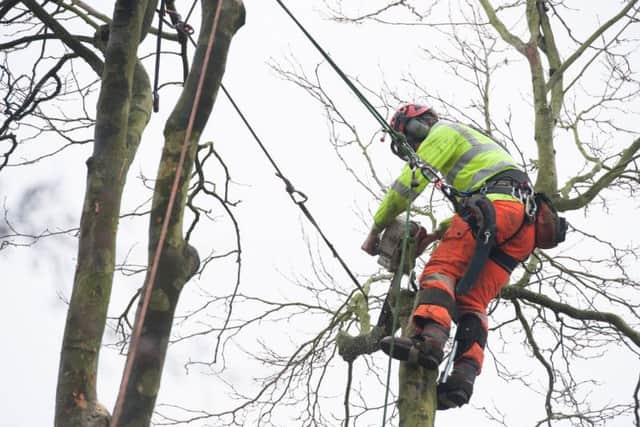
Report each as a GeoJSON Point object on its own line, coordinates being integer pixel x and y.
{"type": "Point", "coordinates": [294, 129]}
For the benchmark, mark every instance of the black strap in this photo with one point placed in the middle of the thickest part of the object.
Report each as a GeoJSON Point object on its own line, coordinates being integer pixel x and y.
{"type": "Point", "coordinates": [436, 296]}
{"type": "Point", "coordinates": [507, 262]}
{"type": "Point", "coordinates": [479, 213]}
{"type": "Point", "coordinates": [510, 175]}
{"type": "Point", "coordinates": [506, 182]}
{"type": "Point", "coordinates": [470, 330]}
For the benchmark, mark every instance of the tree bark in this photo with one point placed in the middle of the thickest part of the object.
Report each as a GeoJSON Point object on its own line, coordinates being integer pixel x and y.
{"type": "Point", "coordinates": [123, 110]}
{"type": "Point", "coordinates": [179, 261]}
{"type": "Point", "coordinates": [417, 399]}
{"type": "Point", "coordinates": [544, 119]}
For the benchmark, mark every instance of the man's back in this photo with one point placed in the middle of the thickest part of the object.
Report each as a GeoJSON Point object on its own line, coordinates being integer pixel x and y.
{"type": "Point", "coordinates": [465, 157]}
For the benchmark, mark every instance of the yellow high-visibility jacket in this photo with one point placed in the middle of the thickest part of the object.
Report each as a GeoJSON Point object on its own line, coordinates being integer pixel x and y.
{"type": "Point", "coordinates": [465, 157]}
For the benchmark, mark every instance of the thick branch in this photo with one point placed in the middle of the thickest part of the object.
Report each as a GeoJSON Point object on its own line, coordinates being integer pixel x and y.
{"type": "Point", "coordinates": [626, 158]}
{"type": "Point", "coordinates": [550, 49]}
{"type": "Point", "coordinates": [512, 293]}
{"type": "Point", "coordinates": [123, 110]}
{"type": "Point", "coordinates": [91, 11]}
{"type": "Point", "coordinates": [350, 347]}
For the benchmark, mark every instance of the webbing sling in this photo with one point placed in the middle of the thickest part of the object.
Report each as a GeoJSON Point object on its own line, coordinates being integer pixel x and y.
{"type": "Point", "coordinates": [479, 213]}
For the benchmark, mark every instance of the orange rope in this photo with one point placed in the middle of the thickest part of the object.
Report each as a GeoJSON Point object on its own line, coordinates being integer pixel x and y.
{"type": "Point", "coordinates": [148, 287]}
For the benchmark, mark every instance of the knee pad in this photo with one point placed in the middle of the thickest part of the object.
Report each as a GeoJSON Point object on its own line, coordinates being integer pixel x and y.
{"type": "Point", "coordinates": [431, 297]}
{"type": "Point", "coordinates": [470, 331]}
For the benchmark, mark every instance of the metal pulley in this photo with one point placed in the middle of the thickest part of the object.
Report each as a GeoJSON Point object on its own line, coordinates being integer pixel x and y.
{"type": "Point", "coordinates": [390, 246]}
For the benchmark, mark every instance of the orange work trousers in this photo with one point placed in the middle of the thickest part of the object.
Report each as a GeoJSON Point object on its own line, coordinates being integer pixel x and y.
{"type": "Point", "coordinates": [452, 255]}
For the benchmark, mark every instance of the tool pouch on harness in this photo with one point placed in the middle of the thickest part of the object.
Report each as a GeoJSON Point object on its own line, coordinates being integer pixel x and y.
{"type": "Point", "coordinates": [551, 228]}
{"type": "Point", "coordinates": [391, 246]}
{"type": "Point", "coordinates": [478, 211]}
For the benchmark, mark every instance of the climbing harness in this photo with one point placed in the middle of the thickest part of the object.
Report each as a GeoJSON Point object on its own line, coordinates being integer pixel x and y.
{"type": "Point", "coordinates": [478, 211]}
{"type": "Point", "coordinates": [403, 149]}
{"type": "Point", "coordinates": [550, 228]}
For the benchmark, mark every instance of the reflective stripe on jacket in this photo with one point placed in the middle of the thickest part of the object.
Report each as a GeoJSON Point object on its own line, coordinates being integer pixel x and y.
{"type": "Point", "coordinates": [465, 157]}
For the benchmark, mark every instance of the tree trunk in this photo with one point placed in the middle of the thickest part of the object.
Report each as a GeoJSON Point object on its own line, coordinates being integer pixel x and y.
{"type": "Point", "coordinates": [179, 261]}
{"type": "Point", "coordinates": [544, 118]}
{"type": "Point", "coordinates": [124, 108]}
{"type": "Point", "coordinates": [417, 399]}
{"type": "Point", "coordinates": [544, 124]}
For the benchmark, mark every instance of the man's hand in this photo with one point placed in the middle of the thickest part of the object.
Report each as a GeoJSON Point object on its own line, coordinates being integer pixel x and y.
{"type": "Point", "coordinates": [371, 244]}
{"type": "Point", "coordinates": [424, 240]}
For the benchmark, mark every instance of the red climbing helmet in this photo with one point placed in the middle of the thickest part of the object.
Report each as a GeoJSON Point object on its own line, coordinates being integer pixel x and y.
{"type": "Point", "coordinates": [407, 112]}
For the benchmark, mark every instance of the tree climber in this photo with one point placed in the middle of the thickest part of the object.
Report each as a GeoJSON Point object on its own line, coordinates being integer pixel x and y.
{"type": "Point", "coordinates": [490, 233]}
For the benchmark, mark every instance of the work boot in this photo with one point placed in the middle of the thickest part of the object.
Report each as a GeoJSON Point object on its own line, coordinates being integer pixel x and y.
{"type": "Point", "coordinates": [457, 389]}
{"type": "Point", "coordinates": [424, 348]}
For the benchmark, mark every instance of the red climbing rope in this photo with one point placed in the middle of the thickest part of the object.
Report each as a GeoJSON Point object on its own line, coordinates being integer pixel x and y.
{"type": "Point", "coordinates": [148, 287]}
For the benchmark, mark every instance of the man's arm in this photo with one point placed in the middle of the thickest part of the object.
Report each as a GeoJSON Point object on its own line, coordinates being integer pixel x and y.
{"type": "Point", "coordinates": [436, 150]}
{"type": "Point", "coordinates": [402, 192]}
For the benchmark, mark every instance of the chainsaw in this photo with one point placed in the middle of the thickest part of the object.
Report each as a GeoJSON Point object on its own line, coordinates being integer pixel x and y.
{"type": "Point", "coordinates": [390, 246]}
{"type": "Point", "coordinates": [390, 256]}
